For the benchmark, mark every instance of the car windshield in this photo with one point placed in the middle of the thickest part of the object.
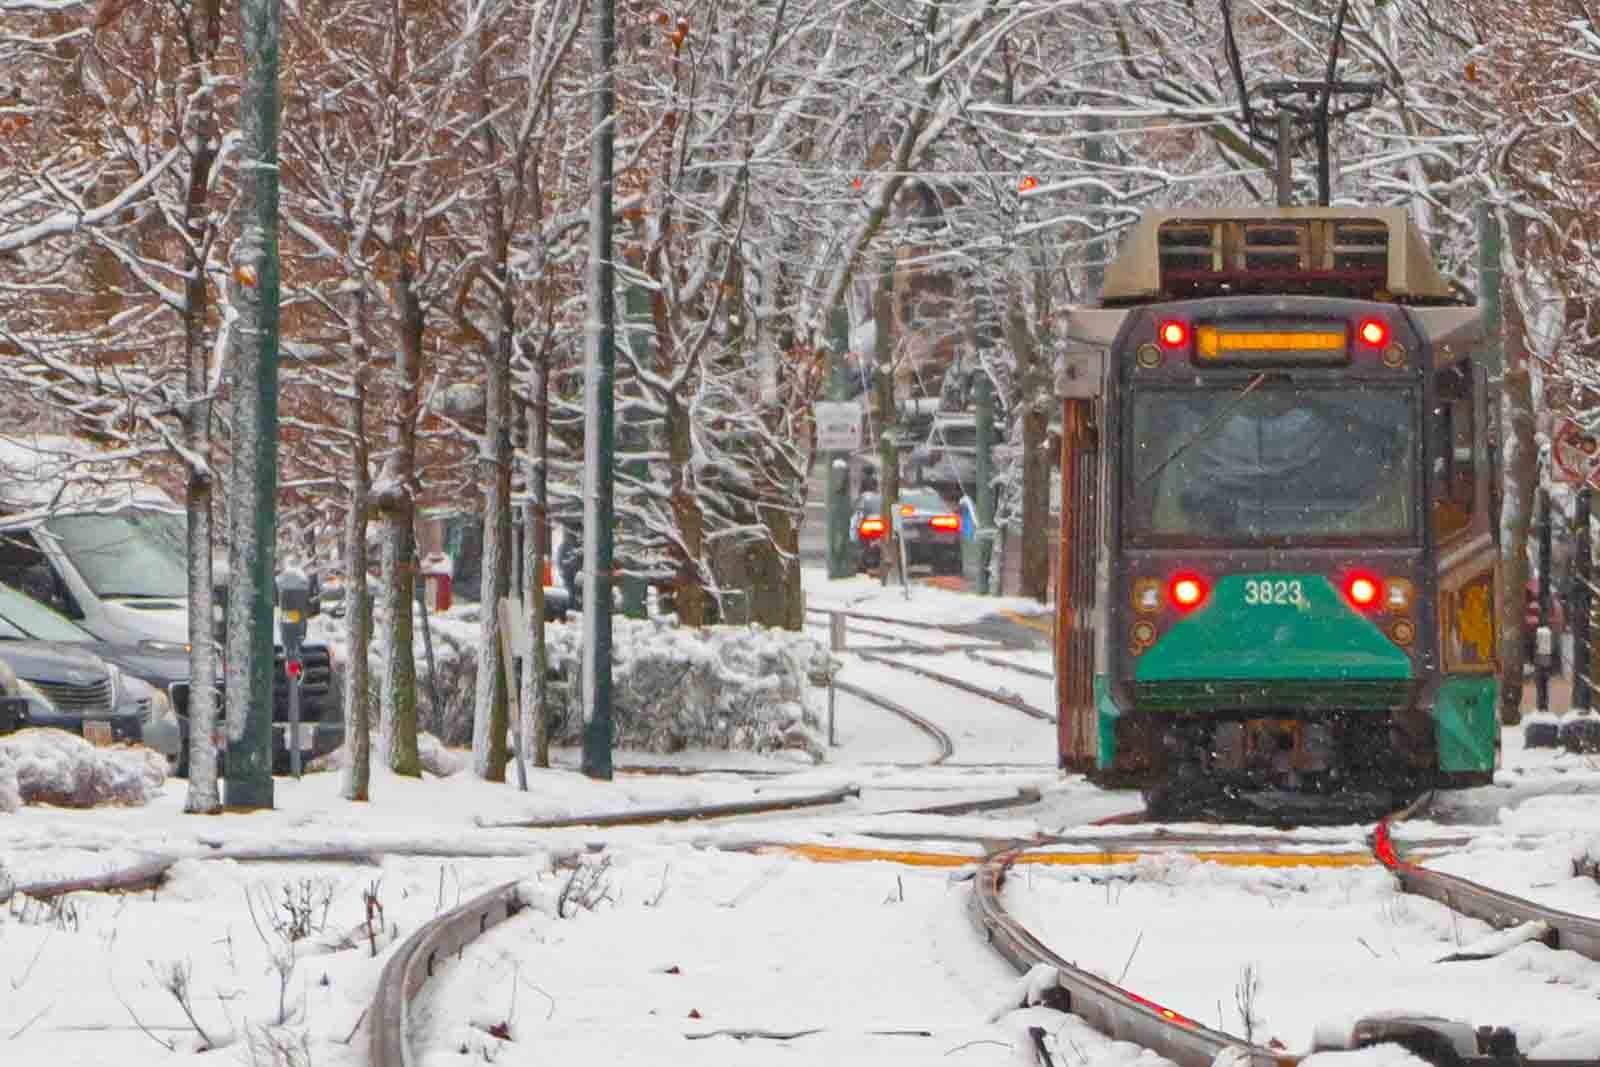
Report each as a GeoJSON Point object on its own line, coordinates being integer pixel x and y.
{"type": "Point", "coordinates": [1276, 463]}
{"type": "Point", "coordinates": [923, 499]}
{"type": "Point", "coordinates": [24, 619]}
{"type": "Point", "coordinates": [136, 552]}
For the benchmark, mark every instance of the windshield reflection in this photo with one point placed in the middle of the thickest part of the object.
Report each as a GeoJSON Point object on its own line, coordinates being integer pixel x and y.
{"type": "Point", "coordinates": [136, 552]}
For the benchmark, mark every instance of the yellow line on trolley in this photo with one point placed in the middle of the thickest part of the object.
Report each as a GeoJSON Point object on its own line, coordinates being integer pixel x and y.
{"type": "Point", "coordinates": [847, 854]}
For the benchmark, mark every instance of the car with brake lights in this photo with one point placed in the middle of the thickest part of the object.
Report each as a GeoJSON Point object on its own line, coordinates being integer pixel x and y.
{"type": "Point", "coordinates": [930, 527]}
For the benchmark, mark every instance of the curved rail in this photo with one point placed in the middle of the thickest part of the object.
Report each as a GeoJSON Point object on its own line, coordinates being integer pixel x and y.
{"type": "Point", "coordinates": [947, 747]}
{"type": "Point", "coordinates": [1020, 668]}
{"type": "Point", "coordinates": [705, 811]}
{"type": "Point", "coordinates": [413, 964]}
{"type": "Point", "coordinates": [1107, 1007]}
{"type": "Point", "coordinates": [1576, 933]}
{"type": "Point", "coordinates": [1009, 700]}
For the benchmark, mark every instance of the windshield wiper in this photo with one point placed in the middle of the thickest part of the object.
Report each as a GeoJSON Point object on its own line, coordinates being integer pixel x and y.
{"type": "Point", "coordinates": [1215, 421]}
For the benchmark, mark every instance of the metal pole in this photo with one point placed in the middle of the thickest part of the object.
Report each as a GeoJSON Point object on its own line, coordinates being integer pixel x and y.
{"type": "Point", "coordinates": [1285, 157]}
{"type": "Point", "coordinates": [255, 270]}
{"type": "Point", "coordinates": [983, 401]}
{"type": "Point", "coordinates": [1541, 668]}
{"type": "Point", "coordinates": [1582, 599]}
{"type": "Point", "coordinates": [599, 428]}
{"type": "Point", "coordinates": [293, 680]}
{"type": "Point", "coordinates": [838, 502]}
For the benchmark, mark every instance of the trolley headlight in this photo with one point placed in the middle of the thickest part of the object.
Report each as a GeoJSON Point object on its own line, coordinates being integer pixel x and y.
{"type": "Point", "coordinates": [1147, 595]}
{"type": "Point", "coordinates": [1397, 596]}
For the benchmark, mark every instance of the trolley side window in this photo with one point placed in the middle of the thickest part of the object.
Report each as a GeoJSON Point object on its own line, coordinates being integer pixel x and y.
{"type": "Point", "coordinates": [1454, 453]}
{"type": "Point", "coordinates": [1275, 463]}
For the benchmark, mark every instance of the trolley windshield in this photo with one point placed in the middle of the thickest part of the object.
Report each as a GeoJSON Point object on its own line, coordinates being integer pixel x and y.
{"type": "Point", "coordinates": [1271, 461]}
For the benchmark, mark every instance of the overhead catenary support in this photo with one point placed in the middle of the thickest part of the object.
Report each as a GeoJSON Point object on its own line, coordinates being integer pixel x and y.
{"type": "Point", "coordinates": [599, 412]}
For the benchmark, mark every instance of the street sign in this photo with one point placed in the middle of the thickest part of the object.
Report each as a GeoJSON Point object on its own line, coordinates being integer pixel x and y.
{"type": "Point", "coordinates": [1575, 453]}
{"type": "Point", "coordinates": [838, 426]}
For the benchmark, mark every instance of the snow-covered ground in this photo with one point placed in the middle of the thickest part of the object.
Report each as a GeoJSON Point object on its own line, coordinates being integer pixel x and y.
{"type": "Point", "coordinates": [689, 929]}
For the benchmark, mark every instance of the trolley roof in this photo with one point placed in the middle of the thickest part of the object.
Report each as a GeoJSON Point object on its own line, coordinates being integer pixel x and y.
{"type": "Point", "coordinates": [1364, 252]}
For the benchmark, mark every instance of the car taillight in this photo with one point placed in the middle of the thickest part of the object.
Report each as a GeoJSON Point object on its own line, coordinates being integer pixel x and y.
{"type": "Point", "coordinates": [294, 668]}
{"type": "Point", "coordinates": [945, 522]}
{"type": "Point", "coordinates": [1362, 590]}
{"type": "Point", "coordinates": [1187, 591]}
{"type": "Point", "coordinates": [549, 573]}
{"type": "Point", "coordinates": [870, 529]}
{"type": "Point", "coordinates": [907, 509]}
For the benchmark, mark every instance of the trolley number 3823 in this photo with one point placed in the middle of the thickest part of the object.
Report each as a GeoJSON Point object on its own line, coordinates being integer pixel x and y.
{"type": "Point", "coordinates": [1273, 591]}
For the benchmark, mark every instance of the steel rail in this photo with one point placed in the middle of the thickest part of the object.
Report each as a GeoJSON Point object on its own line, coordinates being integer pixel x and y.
{"type": "Point", "coordinates": [682, 814]}
{"type": "Point", "coordinates": [1009, 700]}
{"type": "Point", "coordinates": [1104, 1005]}
{"type": "Point", "coordinates": [947, 747]}
{"type": "Point", "coordinates": [415, 961]}
{"type": "Point", "coordinates": [1575, 933]}
{"type": "Point", "coordinates": [1020, 668]}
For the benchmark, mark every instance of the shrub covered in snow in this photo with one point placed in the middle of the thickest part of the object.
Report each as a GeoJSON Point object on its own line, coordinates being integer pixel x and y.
{"type": "Point", "coordinates": [717, 687]}
{"type": "Point", "coordinates": [55, 767]}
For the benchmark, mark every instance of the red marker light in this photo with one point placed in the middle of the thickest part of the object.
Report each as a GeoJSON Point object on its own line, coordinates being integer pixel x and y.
{"type": "Point", "coordinates": [1187, 591]}
{"type": "Point", "coordinates": [1373, 332]}
{"type": "Point", "coordinates": [1174, 333]}
{"type": "Point", "coordinates": [1362, 590]}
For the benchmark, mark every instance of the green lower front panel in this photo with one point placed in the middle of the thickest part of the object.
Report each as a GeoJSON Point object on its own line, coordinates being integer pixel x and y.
{"type": "Point", "coordinates": [1273, 628]}
{"type": "Point", "coordinates": [1467, 723]}
{"type": "Point", "coordinates": [1106, 713]}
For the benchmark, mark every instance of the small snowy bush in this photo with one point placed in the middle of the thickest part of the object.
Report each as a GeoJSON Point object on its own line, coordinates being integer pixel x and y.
{"type": "Point", "coordinates": [717, 687]}
{"type": "Point", "coordinates": [55, 767]}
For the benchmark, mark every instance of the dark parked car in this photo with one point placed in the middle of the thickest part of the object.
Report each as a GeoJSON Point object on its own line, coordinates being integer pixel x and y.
{"type": "Point", "coordinates": [930, 527]}
{"type": "Point", "coordinates": [948, 459]}
{"type": "Point", "coordinates": [162, 677]}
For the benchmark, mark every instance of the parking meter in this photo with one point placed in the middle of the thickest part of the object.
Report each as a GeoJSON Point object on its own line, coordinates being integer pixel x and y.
{"type": "Point", "coordinates": [294, 607]}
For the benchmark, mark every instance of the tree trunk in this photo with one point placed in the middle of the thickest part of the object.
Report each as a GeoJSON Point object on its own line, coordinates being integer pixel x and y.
{"type": "Point", "coordinates": [397, 503]}
{"type": "Point", "coordinates": [888, 453]}
{"type": "Point", "coordinates": [203, 797]}
{"type": "Point", "coordinates": [535, 726]}
{"type": "Point", "coordinates": [1034, 401]}
{"type": "Point", "coordinates": [358, 617]}
{"type": "Point", "coordinates": [490, 710]}
{"type": "Point", "coordinates": [1520, 465]}
{"type": "Point", "coordinates": [689, 595]}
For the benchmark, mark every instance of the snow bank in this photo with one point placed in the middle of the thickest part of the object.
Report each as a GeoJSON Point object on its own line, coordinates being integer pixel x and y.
{"type": "Point", "coordinates": [715, 687]}
{"type": "Point", "coordinates": [55, 767]}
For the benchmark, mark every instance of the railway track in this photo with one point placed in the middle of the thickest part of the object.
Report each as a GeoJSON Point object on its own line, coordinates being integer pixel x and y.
{"type": "Point", "coordinates": [1116, 1011]}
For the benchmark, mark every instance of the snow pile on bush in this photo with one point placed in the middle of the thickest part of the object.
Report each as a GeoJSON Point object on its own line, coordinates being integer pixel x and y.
{"type": "Point", "coordinates": [55, 767]}
{"type": "Point", "coordinates": [716, 687]}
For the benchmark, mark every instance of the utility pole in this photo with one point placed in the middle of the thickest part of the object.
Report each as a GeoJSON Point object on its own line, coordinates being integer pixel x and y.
{"type": "Point", "coordinates": [599, 413]}
{"type": "Point", "coordinates": [254, 289]}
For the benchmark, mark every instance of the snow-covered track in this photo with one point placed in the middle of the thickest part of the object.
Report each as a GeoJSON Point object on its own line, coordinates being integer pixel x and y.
{"type": "Point", "coordinates": [684, 814]}
{"type": "Point", "coordinates": [413, 963]}
{"type": "Point", "coordinates": [1020, 668]}
{"type": "Point", "coordinates": [913, 624]}
{"type": "Point", "coordinates": [1574, 933]}
{"type": "Point", "coordinates": [1104, 1005]}
{"type": "Point", "coordinates": [1008, 699]}
{"type": "Point", "coordinates": [947, 747]}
